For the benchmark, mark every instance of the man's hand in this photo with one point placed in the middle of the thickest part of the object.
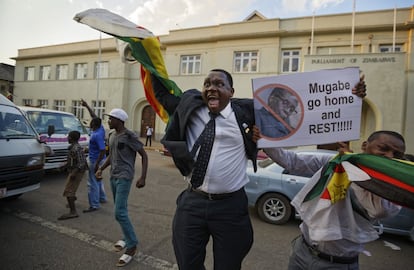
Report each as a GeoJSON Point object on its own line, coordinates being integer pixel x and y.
{"type": "Point", "coordinates": [140, 183]}
{"type": "Point", "coordinates": [343, 148]}
{"type": "Point", "coordinates": [98, 173]}
{"type": "Point", "coordinates": [84, 103]}
{"type": "Point", "coordinates": [256, 134]}
{"type": "Point", "coordinates": [360, 89]}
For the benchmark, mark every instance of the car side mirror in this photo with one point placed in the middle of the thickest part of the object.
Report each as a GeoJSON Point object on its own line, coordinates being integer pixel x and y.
{"type": "Point", "coordinates": [50, 130]}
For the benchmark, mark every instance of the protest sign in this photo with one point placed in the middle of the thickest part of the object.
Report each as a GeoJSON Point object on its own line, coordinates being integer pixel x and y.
{"type": "Point", "coordinates": [307, 108]}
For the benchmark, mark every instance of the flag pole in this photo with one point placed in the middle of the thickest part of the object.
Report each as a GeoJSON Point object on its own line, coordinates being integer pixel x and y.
{"type": "Point", "coordinates": [353, 27]}
{"type": "Point", "coordinates": [98, 74]}
{"type": "Point", "coordinates": [312, 32]}
{"type": "Point", "coordinates": [394, 28]}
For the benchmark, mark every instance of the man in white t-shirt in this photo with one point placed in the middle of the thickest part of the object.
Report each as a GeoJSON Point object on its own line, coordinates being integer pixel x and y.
{"type": "Point", "coordinates": [149, 135]}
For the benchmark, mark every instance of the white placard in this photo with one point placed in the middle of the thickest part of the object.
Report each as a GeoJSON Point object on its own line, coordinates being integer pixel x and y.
{"type": "Point", "coordinates": [307, 108]}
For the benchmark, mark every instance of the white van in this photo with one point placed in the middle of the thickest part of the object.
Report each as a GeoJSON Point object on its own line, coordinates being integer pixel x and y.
{"type": "Point", "coordinates": [22, 155]}
{"type": "Point", "coordinates": [53, 128]}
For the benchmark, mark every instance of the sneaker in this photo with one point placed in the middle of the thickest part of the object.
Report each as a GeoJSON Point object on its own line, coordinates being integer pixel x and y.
{"type": "Point", "coordinates": [90, 209]}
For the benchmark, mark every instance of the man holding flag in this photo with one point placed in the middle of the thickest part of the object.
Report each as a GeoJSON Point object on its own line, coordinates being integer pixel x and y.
{"type": "Point", "coordinates": [214, 204]}
{"type": "Point", "coordinates": [337, 214]}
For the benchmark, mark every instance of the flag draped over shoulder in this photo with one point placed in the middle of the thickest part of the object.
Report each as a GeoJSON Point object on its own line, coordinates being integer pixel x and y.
{"type": "Point", "coordinates": [391, 179]}
{"type": "Point", "coordinates": [142, 45]}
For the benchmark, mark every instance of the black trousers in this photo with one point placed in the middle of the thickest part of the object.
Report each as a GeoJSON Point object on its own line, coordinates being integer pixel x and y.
{"type": "Point", "coordinates": [148, 139]}
{"type": "Point", "coordinates": [226, 220]}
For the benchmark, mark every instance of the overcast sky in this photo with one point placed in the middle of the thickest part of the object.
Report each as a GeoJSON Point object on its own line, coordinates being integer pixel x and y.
{"type": "Point", "coordinates": [35, 23]}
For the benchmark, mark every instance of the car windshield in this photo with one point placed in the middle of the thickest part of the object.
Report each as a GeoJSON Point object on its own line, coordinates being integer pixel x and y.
{"type": "Point", "coordinates": [13, 125]}
{"type": "Point", "coordinates": [63, 123]}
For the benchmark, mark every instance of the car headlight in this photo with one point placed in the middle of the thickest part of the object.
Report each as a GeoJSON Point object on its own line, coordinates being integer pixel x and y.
{"type": "Point", "coordinates": [35, 162]}
{"type": "Point", "coordinates": [48, 150]}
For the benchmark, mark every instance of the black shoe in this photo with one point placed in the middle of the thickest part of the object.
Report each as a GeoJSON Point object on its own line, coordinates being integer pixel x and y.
{"type": "Point", "coordinates": [90, 209]}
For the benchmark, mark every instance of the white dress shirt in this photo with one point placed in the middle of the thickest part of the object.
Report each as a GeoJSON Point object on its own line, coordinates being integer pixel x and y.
{"type": "Point", "coordinates": [226, 171]}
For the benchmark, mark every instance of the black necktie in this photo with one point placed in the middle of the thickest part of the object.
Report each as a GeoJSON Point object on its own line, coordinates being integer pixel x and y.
{"type": "Point", "coordinates": [205, 141]}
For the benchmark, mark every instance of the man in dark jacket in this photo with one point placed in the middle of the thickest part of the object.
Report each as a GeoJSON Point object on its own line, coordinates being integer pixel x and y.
{"type": "Point", "coordinates": [215, 203]}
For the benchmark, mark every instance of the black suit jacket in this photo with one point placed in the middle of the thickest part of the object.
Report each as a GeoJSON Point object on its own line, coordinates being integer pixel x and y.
{"type": "Point", "coordinates": [181, 108]}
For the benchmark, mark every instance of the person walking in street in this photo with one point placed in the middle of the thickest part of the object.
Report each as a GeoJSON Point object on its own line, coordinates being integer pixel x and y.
{"type": "Point", "coordinates": [149, 135]}
{"type": "Point", "coordinates": [215, 203]}
{"type": "Point", "coordinates": [76, 167]}
{"type": "Point", "coordinates": [123, 146]}
{"type": "Point", "coordinates": [97, 154]}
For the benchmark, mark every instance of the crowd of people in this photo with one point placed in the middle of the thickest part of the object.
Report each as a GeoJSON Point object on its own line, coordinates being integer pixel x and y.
{"type": "Point", "coordinates": [211, 137]}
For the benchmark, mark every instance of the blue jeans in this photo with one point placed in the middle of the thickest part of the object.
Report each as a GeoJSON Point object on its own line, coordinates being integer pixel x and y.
{"type": "Point", "coordinates": [120, 190]}
{"type": "Point", "coordinates": [96, 191]}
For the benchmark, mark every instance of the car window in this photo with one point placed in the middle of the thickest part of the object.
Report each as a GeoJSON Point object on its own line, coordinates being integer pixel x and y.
{"type": "Point", "coordinates": [14, 125]}
{"type": "Point", "coordinates": [63, 123]}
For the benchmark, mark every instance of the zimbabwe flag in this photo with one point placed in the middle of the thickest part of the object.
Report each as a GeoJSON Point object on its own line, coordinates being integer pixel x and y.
{"type": "Point", "coordinates": [144, 47]}
{"type": "Point", "coordinates": [392, 179]}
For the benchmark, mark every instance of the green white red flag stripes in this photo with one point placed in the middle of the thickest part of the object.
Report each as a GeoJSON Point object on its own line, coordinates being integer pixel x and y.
{"type": "Point", "coordinates": [144, 46]}
{"type": "Point", "coordinates": [392, 179]}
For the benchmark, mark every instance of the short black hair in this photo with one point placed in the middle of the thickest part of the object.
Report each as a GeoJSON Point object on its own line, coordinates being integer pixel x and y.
{"type": "Point", "coordinates": [228, 75]}
{"type": "Point", "coordinates": [74, 135]}
{"type": "Point", "coordinates": [376, 134]}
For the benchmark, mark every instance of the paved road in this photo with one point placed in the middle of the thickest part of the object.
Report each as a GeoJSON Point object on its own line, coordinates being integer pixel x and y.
{"type": "Point", "coordinates": [33, 238]}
